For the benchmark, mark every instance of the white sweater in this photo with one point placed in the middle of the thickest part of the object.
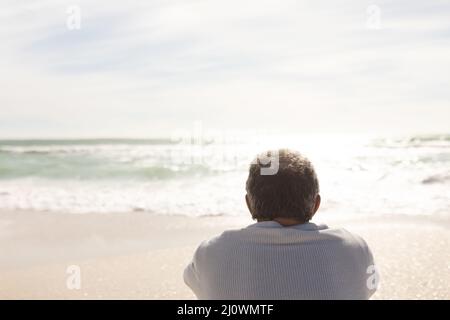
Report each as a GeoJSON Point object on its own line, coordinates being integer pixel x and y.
{"type": "Point", "coordinates": [268, 261]}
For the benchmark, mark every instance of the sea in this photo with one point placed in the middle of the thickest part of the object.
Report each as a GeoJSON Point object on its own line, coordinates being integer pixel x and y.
{"type": "Point", "coordinates": [358, 175]}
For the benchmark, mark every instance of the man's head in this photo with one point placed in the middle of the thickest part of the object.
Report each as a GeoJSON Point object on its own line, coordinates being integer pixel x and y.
{"type": "Point", "coordinates": [292, 193]}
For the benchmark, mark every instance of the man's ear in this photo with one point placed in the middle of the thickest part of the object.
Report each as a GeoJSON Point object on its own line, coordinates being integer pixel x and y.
{"type": "Point", "coordinates": [316, 205]}
{"type": "Point", "coordinates": [247, 200]}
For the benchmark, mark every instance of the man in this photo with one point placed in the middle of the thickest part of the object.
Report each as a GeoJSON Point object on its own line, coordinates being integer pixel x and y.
{"type": "Point", "coordinates": [283, 255]}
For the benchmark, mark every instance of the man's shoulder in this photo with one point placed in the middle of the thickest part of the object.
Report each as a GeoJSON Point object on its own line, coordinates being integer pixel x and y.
{"type": "Point", "coordinates": [353, 242]}
{"type": "Point", "coordinates": [353, 237]}
{"type": "Point", "coordinates": [226, 235]}
{"type": "Point", "coordinates": [346, 236]}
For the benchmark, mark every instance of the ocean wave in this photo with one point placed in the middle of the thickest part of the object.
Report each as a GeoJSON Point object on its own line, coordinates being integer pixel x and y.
{"type": "Point", "coordinates": [118, 161]}
{"type": "Point", "coordinates": [437, 178]}
{"type": "Point", "coordinates": [106, 172]}
{"type": "Point", "coordinates": [418, 141]}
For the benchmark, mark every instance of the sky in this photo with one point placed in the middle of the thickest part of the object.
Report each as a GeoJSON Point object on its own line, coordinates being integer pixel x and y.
{"type": "Point", "coordinates": [149, 68]}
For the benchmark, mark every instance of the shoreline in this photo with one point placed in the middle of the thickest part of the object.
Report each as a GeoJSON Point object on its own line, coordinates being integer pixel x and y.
{"type": "Point", "coordinates": [142, 256]}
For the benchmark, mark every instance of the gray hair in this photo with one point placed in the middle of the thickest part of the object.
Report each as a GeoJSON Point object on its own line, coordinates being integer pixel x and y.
{"type": "Point", "coordinates": [289, 193]}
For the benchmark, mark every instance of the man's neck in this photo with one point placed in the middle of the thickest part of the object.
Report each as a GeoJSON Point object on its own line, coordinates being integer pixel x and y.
{"type": "Point", "coordinates": [287, 222]}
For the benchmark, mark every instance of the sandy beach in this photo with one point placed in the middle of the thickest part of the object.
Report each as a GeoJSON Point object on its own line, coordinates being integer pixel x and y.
{"type": "Point", "coordinates": [142, 256]}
